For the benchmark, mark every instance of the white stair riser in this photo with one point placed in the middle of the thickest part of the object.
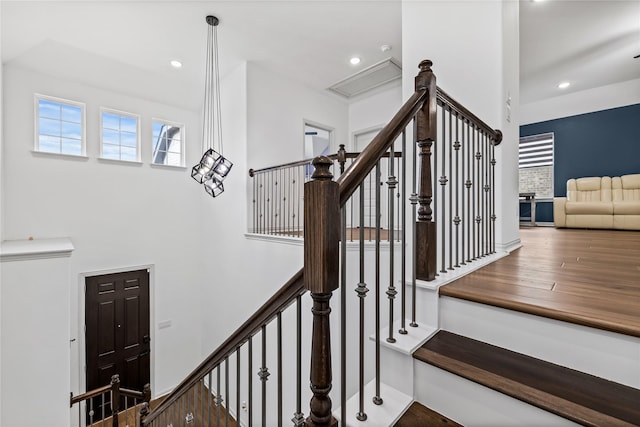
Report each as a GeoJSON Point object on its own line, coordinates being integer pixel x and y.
{"type": "Point", "coordinates": [608, 355]}
{"type": "Point", "coordinates": [472, 404]}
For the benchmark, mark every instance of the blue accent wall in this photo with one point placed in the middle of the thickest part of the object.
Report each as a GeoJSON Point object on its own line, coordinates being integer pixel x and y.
{"type": "Point", "coordinates": [602, 143]}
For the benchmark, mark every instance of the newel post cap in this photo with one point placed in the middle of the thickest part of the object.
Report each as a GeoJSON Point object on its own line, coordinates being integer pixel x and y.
{"type": "Point", "coordinates": [322, 165]}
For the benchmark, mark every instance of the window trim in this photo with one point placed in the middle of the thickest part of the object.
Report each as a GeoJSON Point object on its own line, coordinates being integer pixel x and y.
{"type": "Point", "coordinates": [126, 114]}
{"type": "Point", "coordinates": [83, 124]}
{"type": "Point", "coordinates": [183, 144]}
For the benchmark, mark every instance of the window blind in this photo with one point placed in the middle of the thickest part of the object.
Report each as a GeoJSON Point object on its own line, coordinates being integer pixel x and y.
{"type": "Point", "coordinates": [536, 150]}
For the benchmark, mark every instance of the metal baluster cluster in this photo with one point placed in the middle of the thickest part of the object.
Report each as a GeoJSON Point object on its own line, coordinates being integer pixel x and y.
{"type": "Point", "coordinates": [277, 198]}
{"type": "Point", "coordinates": [464, 208]}
{"type": "Point", "coordinates": [240, 390]}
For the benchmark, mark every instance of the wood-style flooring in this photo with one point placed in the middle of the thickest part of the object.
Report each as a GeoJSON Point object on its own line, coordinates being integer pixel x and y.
{"type": "Point", "coordinates": [587, 277]}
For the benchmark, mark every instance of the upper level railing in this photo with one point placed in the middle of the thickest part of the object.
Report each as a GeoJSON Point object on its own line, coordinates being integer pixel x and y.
{"type": "Point", "coordinates": [255, 376]}
{"type": "Point", "coordinates": [277, 198]}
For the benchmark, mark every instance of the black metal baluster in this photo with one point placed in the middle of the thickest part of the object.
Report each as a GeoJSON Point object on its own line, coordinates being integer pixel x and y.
{"type": "Point", "coordinates": [473, 195]}
{"type": "Point", "coordinates": [343, 311]}
{"type": "Point", "coordinates": [391, 291]}
{"type": "Point", "coordinates": [254, 201]}
{"type": "Point", "coordinates": [209, 397]}
{"type": "Point", "coordinates": [226, 391]}
{"type": "Point", "coordinates": [276, 191]}
{"type": "Point", "coordinates": [463, 218]}
{"type": "Point", "coordinates": [443, 185]}
{"type": "Point", "coordinates": [398, 188]}
{"type": "Point", "coordinates": [493, 199]}
{"type": "Point", "coordinates": [414, 202]}
{"type": "Point", "coordinates": [377, 399]}
{"type": "Point", "coordinates": [434, 178]}
{"type": "Point", "coordinates": [202, 398]}
{"type": "Point", "coordinates": [218, 396]}
{"type": "Point", "coordinates": [469, 217]}
{"type": "Point", "coordinates": [452, 179]}
{"type": "Point", "coordinates": [250, 382]}
{"type": "Point", "coordinates": [456, 219]}
{"type": "Point", "coordinates": [238, 397]}
{"type": "Point", "coordinates": [264, 375]}
{"type": "Point", "coordinates": [485, 216]}
{"type": "Point", "coordinates": [361, 291]}
{"type": "Point", "coordinates": [478, 194]}
{"type": "Point", "coordinates": [371, 208]}
{"type": "Point", "coordinates": [279, 343]}
{"type": "Point", "coordinates": [298, 416]}
{"type": "Point", "coordinates": [403, 214]}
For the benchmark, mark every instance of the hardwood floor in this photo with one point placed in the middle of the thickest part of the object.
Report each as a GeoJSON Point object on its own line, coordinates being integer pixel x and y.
{"type": "Point", "coordinates": [588, 277]}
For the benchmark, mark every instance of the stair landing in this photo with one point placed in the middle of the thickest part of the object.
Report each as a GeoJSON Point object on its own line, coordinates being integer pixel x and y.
{"type": "Point", "coordinates": [586, 277]}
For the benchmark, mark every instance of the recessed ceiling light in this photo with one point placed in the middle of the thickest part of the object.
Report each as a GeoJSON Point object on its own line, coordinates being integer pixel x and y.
{"type": "Point", "coordinates": [564, 85]}
{"type": "Point", "coordinates": [355, 60]}
{"type": "Point", "coordinates": [175, 63]}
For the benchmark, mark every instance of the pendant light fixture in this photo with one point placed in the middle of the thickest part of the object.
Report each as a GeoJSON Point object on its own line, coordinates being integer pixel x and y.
{"type": "Point", "coordinates": [213, 167]}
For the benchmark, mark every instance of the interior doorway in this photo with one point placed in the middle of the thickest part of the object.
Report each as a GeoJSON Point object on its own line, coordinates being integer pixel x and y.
{"type": "Point", "coordinates": [118, 340]}
{"type": "Point", "coordinates": [360, 141]}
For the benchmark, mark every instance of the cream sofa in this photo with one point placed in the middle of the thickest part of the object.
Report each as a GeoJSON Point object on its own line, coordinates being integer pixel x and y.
{"type": "Point", "coordinates": [600, 202]}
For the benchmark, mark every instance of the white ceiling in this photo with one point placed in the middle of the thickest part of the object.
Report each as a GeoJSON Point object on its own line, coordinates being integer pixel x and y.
{"type": "Point", "coordinates": [126, 45]}
{"type": "Point", "coordinates": [587, 43]}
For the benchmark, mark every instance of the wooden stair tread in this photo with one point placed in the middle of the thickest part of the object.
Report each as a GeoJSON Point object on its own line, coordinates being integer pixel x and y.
{"type": "Point", "coordinates": [420, 415]}
{"type": "Point", "coordinates": [574, 395]}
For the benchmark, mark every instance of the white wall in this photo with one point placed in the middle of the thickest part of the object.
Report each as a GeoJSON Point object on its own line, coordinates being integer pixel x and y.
{"type": "Point", "coordinates": [373, 111]}
{"type": "Point", "coordinates": [586, 101]}
{"type": "Point", "coordinates": [266, 130]}
{"type": "Point", "coordinates": [277, 108]}
{"type": "Point", "coordinates": [35, 352]}
{"type": "Point", "coordinates": [476, 64]}
{"type": "Point", "coordinates": [117, 215]}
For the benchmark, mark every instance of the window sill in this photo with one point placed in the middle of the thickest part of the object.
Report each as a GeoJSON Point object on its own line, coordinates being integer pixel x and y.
{"type": "Point", "coordinates": [78, 157]}
{"type": "Point", "coordinates": [122, 162]}
{"type": "Point", "coordinates": [160, 166]}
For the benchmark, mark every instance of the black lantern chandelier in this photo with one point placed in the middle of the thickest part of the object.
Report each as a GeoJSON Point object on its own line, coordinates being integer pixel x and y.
{"type": "Point", "coordinates": [213, 167]}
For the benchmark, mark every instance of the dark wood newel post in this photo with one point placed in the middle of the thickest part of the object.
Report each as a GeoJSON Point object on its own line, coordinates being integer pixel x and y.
{"type": "Point", "coordinates": [321, 274]}
{"type": "Point", "coordinates": [426, 132]}
{"type": "Point", "coordinates": [115, 399]}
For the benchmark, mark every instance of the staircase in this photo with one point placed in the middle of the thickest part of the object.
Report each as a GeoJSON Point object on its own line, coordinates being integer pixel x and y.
{"type": "Point", "coordinates": [386, 348]}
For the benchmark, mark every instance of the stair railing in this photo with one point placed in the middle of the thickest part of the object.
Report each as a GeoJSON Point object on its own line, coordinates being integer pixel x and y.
{"type": "Point", "coordinates": [212, 391]}
{"type": "Point", "coordinates": [277, 198]}
{"type": "Point", "coordinates": [108, 399]}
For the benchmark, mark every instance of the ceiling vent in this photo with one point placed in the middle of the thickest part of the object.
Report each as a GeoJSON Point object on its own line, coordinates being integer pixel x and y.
{"type": "Point", "coordinates": [371, 77]}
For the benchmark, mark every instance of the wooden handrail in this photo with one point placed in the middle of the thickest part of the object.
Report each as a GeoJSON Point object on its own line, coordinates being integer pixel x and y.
{"type": "Point", "coordinates": [278, 302]}
{"type": "Point", "coordinates": [348, 155]}
{"type": "Point", "coordinates": [445, 99]}
{"type": "Point", "coordinates": [88, 395]}
{"type": "Point", "coordinates": [366, 161]}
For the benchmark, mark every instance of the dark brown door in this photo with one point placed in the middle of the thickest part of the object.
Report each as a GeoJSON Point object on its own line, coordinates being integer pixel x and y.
{"type": "Point", "coordinates": [117, 332]}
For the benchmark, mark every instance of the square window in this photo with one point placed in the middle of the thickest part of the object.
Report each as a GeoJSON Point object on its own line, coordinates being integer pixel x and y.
{"type": "Point", "coordinates": [167, 143]}
{"type": "Point", "coordinates": [59, 126]}
{"type": "Point", "coordinates": [120, 135]}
